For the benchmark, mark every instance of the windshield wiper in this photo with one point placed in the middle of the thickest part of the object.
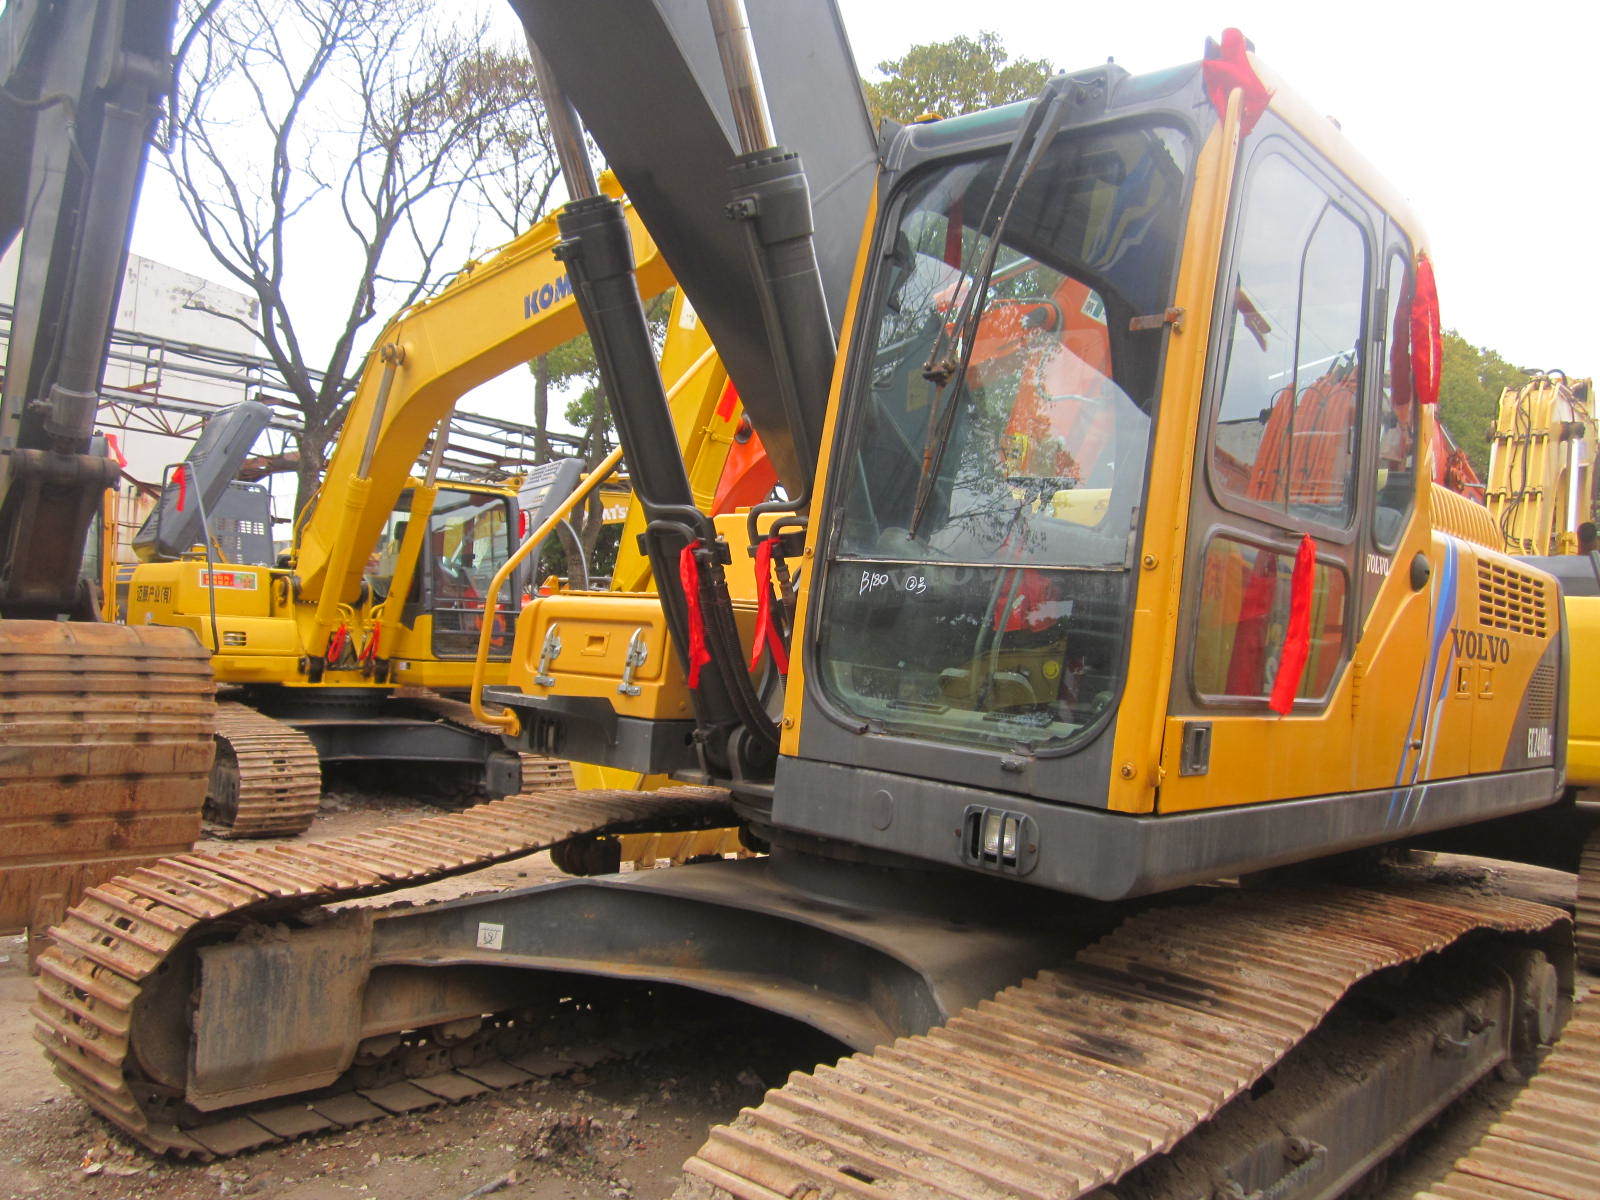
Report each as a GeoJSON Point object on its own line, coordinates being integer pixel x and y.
{"type": "Point", "coordinates": [948, 359]}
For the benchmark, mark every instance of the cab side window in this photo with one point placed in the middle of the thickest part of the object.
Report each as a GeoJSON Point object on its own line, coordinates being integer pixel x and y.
{"type": "Point", "coordinates": [1396, 415]}
{"type": "Point", "coordinates": [1285, 446]}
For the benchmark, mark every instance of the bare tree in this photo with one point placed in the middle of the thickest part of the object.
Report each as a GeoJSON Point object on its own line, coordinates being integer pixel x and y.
{"type": "Point", "coordinates": [349, 118]}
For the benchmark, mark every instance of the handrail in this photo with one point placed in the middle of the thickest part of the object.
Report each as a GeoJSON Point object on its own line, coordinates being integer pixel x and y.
{"type": "Point", "coordinates": [506, 720]}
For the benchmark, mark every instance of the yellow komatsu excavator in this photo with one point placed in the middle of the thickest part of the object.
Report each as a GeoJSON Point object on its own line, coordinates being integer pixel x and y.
{"type": "Point", "coordinates": [1108, 620]}
{"type": "Point", "coordinates": [338, 654]}
{"type": "Point", "coordinates": [1541, 464]}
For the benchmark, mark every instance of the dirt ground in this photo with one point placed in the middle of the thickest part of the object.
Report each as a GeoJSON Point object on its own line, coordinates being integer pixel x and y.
{"type": "Point", "coordinates": [618, 1130]}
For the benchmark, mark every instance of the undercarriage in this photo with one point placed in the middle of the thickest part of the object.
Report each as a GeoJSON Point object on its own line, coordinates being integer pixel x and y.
{"type": "Point", "coordinates": [1274, 1040]}
{"type": "Point", "coordinates": [272, 746]}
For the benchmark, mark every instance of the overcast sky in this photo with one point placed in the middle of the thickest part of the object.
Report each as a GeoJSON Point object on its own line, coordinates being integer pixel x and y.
{"type": "Point", "coordinates": [1483, 116]}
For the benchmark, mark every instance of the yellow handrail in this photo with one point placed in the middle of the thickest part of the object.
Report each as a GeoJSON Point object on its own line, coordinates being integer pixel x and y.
{"type": "Point", "coordinates": [506, 720]}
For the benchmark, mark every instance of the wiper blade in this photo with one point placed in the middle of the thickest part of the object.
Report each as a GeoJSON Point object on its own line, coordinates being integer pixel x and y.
{"type": "Point", "coordinates": [948, 359]}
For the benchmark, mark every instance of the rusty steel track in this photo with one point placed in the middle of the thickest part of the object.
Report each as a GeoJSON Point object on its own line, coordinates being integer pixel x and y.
{"type": "Point", "coordinates": [1587, 933]}
{"type": "Point", "coordinates": [540, 774]}
{"type": "Point", "coordinates": [1062, 1084]}
{"type": "Point", "coordinates": [113, 943]}
{"type": "Point", "coordinates": [1547, 1143]}
{"type": "Point", "coordinates": [1546, 1146]}
{"type": "Point", "coordinates": [267, 780]}
{"type": "Point", "coordinates": [105, 744]}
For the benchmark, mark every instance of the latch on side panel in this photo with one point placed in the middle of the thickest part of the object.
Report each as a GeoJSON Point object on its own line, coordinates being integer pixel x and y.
{"type": "Point", "coordinates": [1194, 758]}
{"type": "Point", "coordinates": [638, 652]}
{"type": "Point", "coordinates": [547, 655]}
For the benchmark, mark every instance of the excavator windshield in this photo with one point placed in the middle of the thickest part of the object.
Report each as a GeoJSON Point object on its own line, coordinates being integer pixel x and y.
{"type": "Point", "coordinates": [997, 614]}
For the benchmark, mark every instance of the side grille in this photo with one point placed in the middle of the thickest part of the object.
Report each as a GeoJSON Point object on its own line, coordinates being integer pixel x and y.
{"type": "Point", "coordinates": [1511, 600]}
{"type": "Point", "coordinates": [1541, 698]}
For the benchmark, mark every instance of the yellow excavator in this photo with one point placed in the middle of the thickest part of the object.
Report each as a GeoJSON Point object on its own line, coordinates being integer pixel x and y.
{"type": "Point", "coordinates": [339, 653]}
{"type": "Point", "coordinates": [1541, 464]}
{"type": "Point", "coordinates": [1107, 639]}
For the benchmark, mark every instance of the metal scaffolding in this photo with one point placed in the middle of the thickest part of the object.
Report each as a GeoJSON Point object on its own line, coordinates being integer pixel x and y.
{"type": "Point", "coordinates": [166, 373]}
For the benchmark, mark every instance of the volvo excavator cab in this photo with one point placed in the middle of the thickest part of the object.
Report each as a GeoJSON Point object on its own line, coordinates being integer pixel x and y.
{"type": "Point", "coordinates": [1122, 534]}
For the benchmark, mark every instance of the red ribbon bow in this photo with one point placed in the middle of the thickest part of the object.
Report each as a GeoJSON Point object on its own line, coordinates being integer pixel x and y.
{"type": "Point", "coordinates": [1297, 638]}
{"type": "Point", "coordinates": [1427, 344]}
{"type": "Point", "coordinates": [179, 477]}
{"type": "Point", "coordinates": [370, 650]}
{"type": "Point", "coordinates": [767, 636]}
{"type": "Point", "coordinates": [336, 643]}
{"type": "Point", "coordinates": [1231, 69]}
{"type": "Point", "coordinates": [689, 576]}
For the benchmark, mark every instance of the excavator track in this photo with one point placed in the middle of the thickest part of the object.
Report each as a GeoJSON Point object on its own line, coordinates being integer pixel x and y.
{"type": "Point", "coordinates": [112, 946]}
{"type": "Point", "coordinates": [539, 772]}
{"type": "Point", "coordinates": [1062, 1084]}
{"type": "Point", "coordinates": [1587, 931]}
{"type": "Point", "coordinates": [267, 780]}
{"type": "Point", "coordinates": [1547, 1143]}
{"type": "Point", "coordinates": [105, 743]}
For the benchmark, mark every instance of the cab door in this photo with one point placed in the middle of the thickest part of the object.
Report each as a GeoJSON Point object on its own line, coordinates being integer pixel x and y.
{"type": "Point", "coordinates": [469, 540]}
{"type": "Point", "coordinates": [1282, 456]}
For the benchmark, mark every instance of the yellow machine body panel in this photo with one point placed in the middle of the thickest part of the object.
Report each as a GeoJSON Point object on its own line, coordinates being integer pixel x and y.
{"type": "Point", "coordinates": [611, 646]}
{"type": "Point", "coordinates": [1583, 690]}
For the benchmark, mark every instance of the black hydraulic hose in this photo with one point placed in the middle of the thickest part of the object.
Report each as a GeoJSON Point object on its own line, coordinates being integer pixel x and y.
{"type": "Point", "coordinates": [722, 637]}
{"type": "Point", "coordinates": [211, 567]}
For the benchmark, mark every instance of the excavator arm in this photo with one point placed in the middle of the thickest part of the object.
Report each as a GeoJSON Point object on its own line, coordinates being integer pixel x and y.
{"type": "Point", "coordinates": [82, 81]}
{"type": "Point", "coordinates": [494, 316]}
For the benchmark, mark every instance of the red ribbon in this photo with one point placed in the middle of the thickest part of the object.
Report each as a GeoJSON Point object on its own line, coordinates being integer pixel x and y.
{"type": "Point", "coordinates": [1231, 69]}
{"type": "Point", "coordinates": [766, 627]}
{"type": "Point", "coordinates": [689, 576]}
{"type": "Point", "coordinates": [178, 477]}
{"type": "Point", "coordinates": [116, 450]}
{"type": "Point", "coordinates": [1297, 640]}
{"type": "Point", "coordinates": [336, 643]}
{"type": "Point", "coordinates": [727, 402]}
{"type": "Point", "coordinates": [370, 650]}
{"type": "Point", "coordinates": [1427, 344]}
